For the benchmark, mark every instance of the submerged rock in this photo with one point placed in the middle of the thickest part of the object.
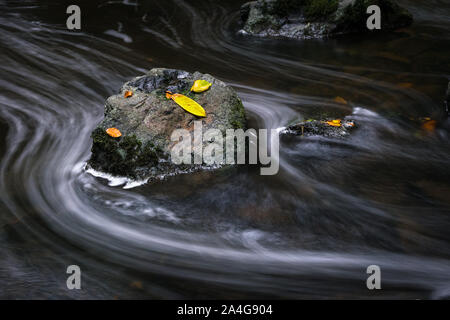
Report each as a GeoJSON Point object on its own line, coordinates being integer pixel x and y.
{"type": "Point", "coordinates": [147, 120]}
{"type": "Point", "coordinates": [306, 19]}
{"type": "Point", "coordinates": [321, 128]}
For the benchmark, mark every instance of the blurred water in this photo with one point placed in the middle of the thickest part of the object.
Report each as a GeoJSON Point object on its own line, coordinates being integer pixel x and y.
{"type": "Point", "coordinates": [336, 207]}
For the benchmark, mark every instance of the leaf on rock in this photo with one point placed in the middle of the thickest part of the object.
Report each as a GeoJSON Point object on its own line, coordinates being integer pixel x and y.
{"type": "Point", "coordinates": [334, 123]}
{"type": "Point", "coordinates": [187, 104]}
{"type": "Point", "coordinates": [128, 94]}
{"type": "Point", "coordinates": [201, 86]}
{"type": "Point", "coordinates": [113, 132]}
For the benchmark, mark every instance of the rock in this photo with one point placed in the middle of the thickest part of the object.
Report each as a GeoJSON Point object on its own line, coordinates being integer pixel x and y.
{"type": "Point", "coordinates": [147, 120]}
{"type": "Point", "coordinates": [320, 128]}
{"type": "Point", "coordinates": [306, 19]}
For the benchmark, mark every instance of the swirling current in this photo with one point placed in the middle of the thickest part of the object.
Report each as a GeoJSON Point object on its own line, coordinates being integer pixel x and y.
{"type": "Point", "coordinates": [379, 197]}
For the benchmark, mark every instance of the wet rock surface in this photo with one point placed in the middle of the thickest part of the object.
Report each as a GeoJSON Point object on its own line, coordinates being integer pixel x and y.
{"type": "Point", "coordinates": [321, 128]}
{"type": "Point", "coordinates": [147, 120]}
{"type": "Point", "coordinates": [307, 19]}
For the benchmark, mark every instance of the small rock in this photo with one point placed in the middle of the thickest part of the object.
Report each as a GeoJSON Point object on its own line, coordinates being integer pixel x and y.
{"type": "Point", "coordinates": [321, 128]}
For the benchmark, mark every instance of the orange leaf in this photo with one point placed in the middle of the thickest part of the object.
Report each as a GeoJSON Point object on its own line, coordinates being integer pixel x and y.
{"type": "Point", "coordinates": [334, 123]}
{"type": "Point", "coordinates": [429, 125]}
{"type": "Point", "coordinates": [340, 100]}
{"type": "Point", "coordinates": [113, 132]}
{"type": "Point", "coordinates": [128, 93]}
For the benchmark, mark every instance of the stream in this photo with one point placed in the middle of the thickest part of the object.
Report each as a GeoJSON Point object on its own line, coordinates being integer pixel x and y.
{"type": "Point", "coordinates": [379, 197]}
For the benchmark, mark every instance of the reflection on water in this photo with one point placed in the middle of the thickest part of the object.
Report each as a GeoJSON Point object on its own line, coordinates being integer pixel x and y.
{"type": "Point", "coordinates": [379, 197]}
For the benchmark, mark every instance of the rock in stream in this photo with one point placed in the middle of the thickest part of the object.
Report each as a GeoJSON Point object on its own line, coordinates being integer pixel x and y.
{"type": "Point", "coordinates": [147, 119]}
{"type": "Point", "coordinates": [307, 19]}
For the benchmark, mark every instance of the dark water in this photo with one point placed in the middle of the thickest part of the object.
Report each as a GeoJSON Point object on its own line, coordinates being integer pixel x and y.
{"type": "Point", "coordinates": [380, 197]}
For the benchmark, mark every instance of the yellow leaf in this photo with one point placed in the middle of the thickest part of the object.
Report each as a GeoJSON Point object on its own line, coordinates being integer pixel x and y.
{"type": "Point", "coordinates": [340, 100]}
{"type": "Point", "coordinates": [334, 123]}
{"type": "Point", "coordinates": [200, 86]}
{"type": "Point", "coordinates": [113, 132]}
{"type": "Point", "coordinates": [128, 93]}
{"type": "Point", "coordinates": [187, 104]}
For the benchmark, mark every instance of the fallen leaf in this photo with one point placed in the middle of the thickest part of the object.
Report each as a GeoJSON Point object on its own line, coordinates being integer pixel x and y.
{"type": "Point", "coordinates": [334, 123]}
{"type": "Point", "coordinates": [340, 100]}
{"type": "Point", "coordinates": [429, 125]}
{"type": "Point", "coordinates": [201, 86]}
{"type": "Point", "coordinates": [128, 94]}
{"type": "Point", "coordinates": [113, 132]}
{"type": "Point", "coordinates": [187, 104]}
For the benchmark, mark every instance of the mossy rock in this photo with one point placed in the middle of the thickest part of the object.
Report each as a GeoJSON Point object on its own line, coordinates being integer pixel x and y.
{"type": "Point", "coordinates": [305, 19]}
{"type": "Point", "coordinates": [122, 156]}
{"type": "Point", "coordinates": [312, 127]}
{"type": "Point", "coordinates": [147, 120]}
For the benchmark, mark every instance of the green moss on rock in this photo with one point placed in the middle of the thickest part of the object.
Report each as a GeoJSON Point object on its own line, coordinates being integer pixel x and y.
{"type": "Point", "coordinates": [320, 9]}
{"type": "Point", "coordinates": [120, 156]}
{"type": "Point", "coordinates": [238, 121]}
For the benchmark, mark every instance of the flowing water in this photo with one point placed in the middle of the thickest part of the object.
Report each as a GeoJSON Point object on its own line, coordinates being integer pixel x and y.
{"type": "Point", "coordinates": [379, 197]}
